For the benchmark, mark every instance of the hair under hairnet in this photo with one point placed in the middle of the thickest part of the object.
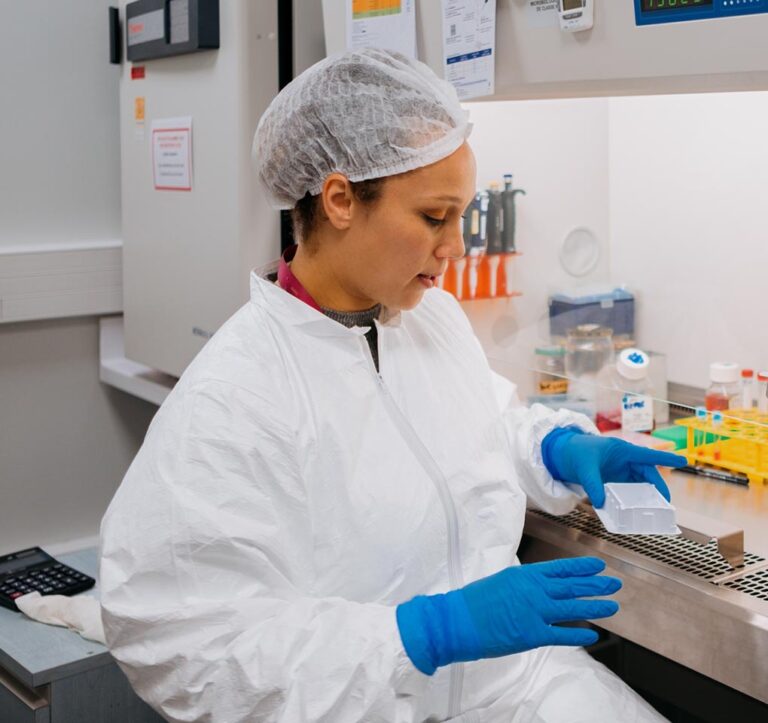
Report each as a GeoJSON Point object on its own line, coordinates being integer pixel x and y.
{"type": "Point", "coordinates": [364, 113]}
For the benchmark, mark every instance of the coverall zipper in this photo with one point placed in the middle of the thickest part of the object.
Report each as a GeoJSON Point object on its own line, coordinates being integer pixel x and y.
{"type": "Point", "coordinates": [427, 461]}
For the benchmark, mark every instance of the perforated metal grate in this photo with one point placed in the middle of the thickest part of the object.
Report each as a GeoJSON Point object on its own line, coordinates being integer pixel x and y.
{"type": "Point", "coordinates": [755, 584]}
{"type": "Point", "coordinates": [704, 561]}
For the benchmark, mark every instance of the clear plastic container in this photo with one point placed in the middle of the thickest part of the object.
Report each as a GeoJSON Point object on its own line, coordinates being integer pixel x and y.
{"type": "Point", "coordinates": [724, 391]}
{"type": "Point", "coordinates": [549, 370]}
{"type": "Point", "coordinates": [747, 389]}
{"type": "Point", "coordinates": [589, 348]}
{"type": "Point", "coordinates": [624, 394]}
{"type": "Point", "coordinates": [637, 509]}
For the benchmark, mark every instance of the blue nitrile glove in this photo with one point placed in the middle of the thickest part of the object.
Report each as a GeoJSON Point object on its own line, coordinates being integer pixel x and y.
{"type": "Point", "coordinates": [589, 460]}
{"type": "Point", "coordinates": [509, 612]}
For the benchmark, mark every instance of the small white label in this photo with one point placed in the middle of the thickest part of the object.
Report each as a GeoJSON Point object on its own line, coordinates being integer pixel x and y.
{"type": "Point", "coordinates": [636, 413]}
{"type": "Point", "coordinates": [542, 13]}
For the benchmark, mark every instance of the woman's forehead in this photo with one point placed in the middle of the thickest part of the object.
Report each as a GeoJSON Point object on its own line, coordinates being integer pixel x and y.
{"type": "Point", "coordinates": [450, 180]}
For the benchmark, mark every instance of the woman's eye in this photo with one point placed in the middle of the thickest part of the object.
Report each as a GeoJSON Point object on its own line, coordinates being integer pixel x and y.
{"type": "Point", "coordinates": [432, 221]}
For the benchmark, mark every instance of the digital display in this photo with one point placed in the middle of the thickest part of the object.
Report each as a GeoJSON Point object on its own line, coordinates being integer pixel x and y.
{"type": "Point", "coordinates": [571, 4]}
{"type": "Point", "coordinates": [652, 5]}
{"type": "Point", "coordinates": [33, 558]}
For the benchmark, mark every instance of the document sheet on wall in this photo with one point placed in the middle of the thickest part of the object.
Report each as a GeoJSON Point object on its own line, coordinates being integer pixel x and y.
{"type": "Point", "coordinates": [469, 46]}
{"type": "Point", "coordinates": [389, 24]}
{"type": "Point", "coordinates": [172, 154]}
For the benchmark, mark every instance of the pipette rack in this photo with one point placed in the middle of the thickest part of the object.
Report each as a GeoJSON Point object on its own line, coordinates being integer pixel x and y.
{"type": "Point", "coordinates": [740, 445]}
{"type": "Point", "coordinates": [457, 277]}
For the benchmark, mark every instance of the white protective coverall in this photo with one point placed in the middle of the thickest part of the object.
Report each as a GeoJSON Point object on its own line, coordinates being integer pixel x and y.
{"type": "Point", "coordinates": [287, 498]}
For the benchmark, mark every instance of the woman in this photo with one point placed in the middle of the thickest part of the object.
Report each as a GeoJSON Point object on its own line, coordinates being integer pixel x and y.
{"type": "Point", "coordinates": [340, 455]}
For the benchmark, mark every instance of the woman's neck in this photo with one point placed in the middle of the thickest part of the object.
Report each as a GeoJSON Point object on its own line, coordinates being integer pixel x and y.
{"type": "Point", "coordinates": [318, 275]}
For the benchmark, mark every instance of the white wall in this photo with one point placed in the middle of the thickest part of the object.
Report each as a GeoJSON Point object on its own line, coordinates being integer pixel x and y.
{"type": "Point", "coordinates": [689, 190]}
{"type": "Point", "coordinates": [59, 141]}
{"type": "Point", "coordinates": [65, 439]}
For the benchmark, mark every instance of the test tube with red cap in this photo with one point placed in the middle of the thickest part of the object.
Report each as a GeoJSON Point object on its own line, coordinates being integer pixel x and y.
{"type": "Point", "coordinates": [762, 392]}
{"type": "Point", "coordinates": [747, 388]}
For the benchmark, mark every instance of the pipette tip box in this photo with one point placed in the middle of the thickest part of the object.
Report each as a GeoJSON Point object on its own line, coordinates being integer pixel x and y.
{"type": "Point", "coordinates": [637, 509]}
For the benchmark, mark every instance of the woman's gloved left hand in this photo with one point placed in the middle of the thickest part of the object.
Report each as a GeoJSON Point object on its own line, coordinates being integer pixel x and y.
{"type": "Point", "coordinates": [571, 455]}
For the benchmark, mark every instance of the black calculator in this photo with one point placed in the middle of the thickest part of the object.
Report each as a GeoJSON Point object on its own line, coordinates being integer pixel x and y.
{"type": "Point", "coordinates": [33, 569]}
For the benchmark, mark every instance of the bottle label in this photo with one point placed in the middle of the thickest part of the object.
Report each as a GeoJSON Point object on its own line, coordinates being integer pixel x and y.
{"type": "Point", "coordinates": [553, 386]}
{"type": "Point", "coordinates": [636, 413]}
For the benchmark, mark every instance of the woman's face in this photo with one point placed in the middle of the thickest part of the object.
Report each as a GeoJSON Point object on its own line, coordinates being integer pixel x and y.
{"type": "Point", "coordinates": [400, 243]}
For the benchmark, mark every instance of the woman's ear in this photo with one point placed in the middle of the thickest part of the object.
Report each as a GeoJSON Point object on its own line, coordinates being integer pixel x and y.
{"type": "Point", "coordinates": [337, 201]}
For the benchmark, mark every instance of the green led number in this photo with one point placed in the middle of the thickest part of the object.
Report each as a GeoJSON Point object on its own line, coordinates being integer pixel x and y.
{"type": "Point", "coordinates": [661, 4]}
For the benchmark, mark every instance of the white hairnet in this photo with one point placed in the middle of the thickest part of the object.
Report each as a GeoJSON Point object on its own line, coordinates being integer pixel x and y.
{"type": "Point", "coordinates": [365, 113]}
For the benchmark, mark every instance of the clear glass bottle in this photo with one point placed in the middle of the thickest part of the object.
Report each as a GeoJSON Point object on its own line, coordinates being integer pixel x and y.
{"type": "Point", "coordinates": [724, 391]}
{"type": "Point", "coordinates": [588, 349]}
{"type": "Point", "coordinates": [624, 395]}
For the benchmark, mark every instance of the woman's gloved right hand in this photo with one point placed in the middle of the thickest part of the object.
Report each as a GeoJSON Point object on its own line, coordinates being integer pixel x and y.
{"type": "Point", "coordinates": [508, 612]}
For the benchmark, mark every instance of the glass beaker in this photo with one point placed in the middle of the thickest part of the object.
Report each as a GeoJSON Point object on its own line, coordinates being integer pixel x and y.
{"type": "Point", "coordinates": [589, 347]}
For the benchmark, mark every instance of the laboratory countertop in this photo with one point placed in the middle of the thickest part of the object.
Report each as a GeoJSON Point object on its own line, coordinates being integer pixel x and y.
{"type": "Point", "coordinates": [745, 507]}
{"type": "Point", "coordinates": [37, 654]}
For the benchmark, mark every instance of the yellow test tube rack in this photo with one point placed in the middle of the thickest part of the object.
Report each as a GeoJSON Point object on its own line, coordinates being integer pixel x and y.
{"type": "Point", "coordinates": [740, 445]}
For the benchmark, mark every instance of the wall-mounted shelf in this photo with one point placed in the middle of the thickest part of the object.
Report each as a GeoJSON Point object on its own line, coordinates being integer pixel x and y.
{"type": "Point", "coordinates": [129, 376]}
{"type": "Point", "coordinates": [55, 280]}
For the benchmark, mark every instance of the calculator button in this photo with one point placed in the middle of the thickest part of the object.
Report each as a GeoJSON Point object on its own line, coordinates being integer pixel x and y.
{"type": "Point", "coordinates": [69, 580]}
{"type": "Point", "coordinates": [46, 590]}
{"type": "Point", "coordinates": [59, 586]}
{"type": "Point", "coordinates": [11, 580]}
{"type": "Point", "coordinates": [14, 595]}
{"type": "Point", "coordinates": [58, 566]}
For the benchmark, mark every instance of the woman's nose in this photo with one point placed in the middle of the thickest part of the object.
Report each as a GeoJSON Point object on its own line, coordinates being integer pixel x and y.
{"type": "Point", "coordinates": [452, 247]}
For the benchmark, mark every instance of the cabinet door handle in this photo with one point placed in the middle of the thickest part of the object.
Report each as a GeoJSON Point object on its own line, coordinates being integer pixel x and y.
{"type": "Point", "coordinates": [33, 698]}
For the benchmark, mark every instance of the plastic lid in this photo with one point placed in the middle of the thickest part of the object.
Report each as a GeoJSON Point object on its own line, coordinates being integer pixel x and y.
{"type": "Point", "coordinates": [747, 373]}
{"type": "Point", "coordinates": [494, 185]}
{"type": "Point", "coordinates": [724, 372]}
{"type": "Point", "coordinates": [762, 376]}
{"type": "Point", "coordinates": [633, 364]}
{"type": "Point", "coordinates": [550, 351]}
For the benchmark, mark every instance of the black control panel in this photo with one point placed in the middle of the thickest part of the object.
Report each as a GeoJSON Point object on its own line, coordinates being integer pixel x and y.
{"type": "Point", "coordinates": [162, 28]}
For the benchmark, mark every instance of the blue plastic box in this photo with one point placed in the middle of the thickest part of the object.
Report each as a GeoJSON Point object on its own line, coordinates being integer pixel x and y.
{"type": "Point", "coordinates": [614, 309]}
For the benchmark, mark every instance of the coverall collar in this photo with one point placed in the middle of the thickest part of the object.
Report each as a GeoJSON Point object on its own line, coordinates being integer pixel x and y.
{"type": "Point", "coordinates": [295, 312]}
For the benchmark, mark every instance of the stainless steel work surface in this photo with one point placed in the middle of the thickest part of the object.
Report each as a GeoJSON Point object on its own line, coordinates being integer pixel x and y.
{"type": "Point", "coordinates": [680, 598]}
{"type": "Point", "coordinates": [742, 506]}
{"type": "Point", "coordinates": [36, 653]}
